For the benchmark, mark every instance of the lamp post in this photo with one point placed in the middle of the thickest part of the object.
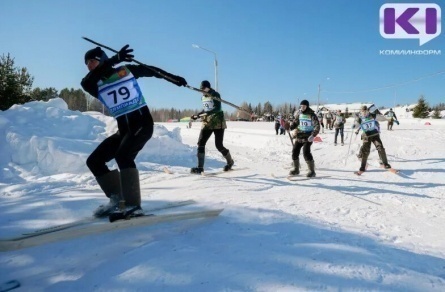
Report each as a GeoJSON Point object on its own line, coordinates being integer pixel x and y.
{"type": "Point", "coordinates": [318, 96]}
{"type": "Point", "coordinates": [215, 63]}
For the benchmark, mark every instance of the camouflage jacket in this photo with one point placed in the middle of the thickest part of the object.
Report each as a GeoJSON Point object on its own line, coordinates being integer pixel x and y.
{"type": "Point", "coordinates": [212, 115]}
{"type": "Point", "coordinates": [305, 124]}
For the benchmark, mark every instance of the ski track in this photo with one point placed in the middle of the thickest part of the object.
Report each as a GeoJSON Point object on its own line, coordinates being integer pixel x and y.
{"type": "Point", "coordinates": [411, 205]}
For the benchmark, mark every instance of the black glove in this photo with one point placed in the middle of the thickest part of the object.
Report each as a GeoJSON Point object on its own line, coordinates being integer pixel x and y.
{"type": "Point", "coordinates": [178, 80]}
{"type": "Point", "coordinates": [194, 117]}
{"type": "Point", "coordinates": [123, 55]}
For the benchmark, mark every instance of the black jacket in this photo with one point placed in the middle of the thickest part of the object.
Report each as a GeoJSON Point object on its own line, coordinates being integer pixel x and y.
{"type": "Point", "coordinates": [133, 121]}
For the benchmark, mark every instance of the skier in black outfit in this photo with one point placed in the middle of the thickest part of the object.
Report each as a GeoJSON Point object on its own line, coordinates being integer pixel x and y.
{"type": "Point", "coordinates": [119, 91]}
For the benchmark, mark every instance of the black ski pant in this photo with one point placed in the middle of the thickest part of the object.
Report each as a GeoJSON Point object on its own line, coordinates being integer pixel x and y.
{"type": "Point", "coordinates": [339, 130]}
{"type": "Point", "coordinates": [123, 149]}
{"type": "Point", "coordinates": [204, 136]}
{"type": "Point", "coordinates": [306, 151]}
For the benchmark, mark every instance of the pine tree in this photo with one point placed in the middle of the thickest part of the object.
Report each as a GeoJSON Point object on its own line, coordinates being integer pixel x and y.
{"type": "Point", "coordinates": [421, 109]}
{"type": "Point", "coordinates": [15, 83]}
{"type": "Point", "coordinates": [436, 113]}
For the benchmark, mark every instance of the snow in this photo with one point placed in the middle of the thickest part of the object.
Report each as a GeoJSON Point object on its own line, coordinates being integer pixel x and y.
{"type": "Point", "coordinates": [379, 231]}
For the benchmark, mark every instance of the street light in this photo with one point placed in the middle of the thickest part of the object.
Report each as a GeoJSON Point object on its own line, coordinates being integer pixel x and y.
{"type": "Point", "coordinates": [319, 89]}
{"type": "Point", "coordinates": [216, 63]}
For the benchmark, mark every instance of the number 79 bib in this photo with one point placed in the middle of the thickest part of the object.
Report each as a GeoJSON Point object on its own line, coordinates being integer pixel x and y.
{"type": "Point", "coordinates": [121, 93]}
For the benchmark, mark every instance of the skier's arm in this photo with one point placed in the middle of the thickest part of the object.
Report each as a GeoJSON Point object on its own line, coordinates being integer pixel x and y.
{"type": "Point", "coordinates": [151, 71]}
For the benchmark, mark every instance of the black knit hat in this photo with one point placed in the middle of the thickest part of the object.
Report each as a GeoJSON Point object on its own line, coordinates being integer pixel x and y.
{"type": "Point", "coordinates": [205, 84]}
{"type": "Point", "coordinates": [304, 102]}
{"type": "Point", "coordinates": [96, 54]}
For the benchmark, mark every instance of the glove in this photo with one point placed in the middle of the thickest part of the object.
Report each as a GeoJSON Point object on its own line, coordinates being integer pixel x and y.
{"type": "Point", "coordinates": [310, 139]}
{"type": "Point", "coordinates": [356, 132]}
{"type": "Point", "coordinates": [194, 117]}
{"type": "Point", "coordinates": [123, 55]}
{"type": "Point", "coordinates": [179, 81]}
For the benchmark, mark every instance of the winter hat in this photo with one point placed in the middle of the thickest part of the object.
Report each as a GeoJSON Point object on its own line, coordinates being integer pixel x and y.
{"type": "Point", "coordinates": [96, 54]}
{"type": "Point", "coordinates": [205, 84]}
{"type": "Point", "coordinates": [304, 102]}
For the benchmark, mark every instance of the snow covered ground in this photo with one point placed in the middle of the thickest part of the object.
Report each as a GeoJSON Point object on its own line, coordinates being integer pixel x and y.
{"type": "Point", "coordinates": [379, 231]}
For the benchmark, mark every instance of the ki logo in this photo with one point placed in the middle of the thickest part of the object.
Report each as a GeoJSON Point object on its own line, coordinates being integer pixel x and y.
{"type": "Point", "coordinates": [410, 21]}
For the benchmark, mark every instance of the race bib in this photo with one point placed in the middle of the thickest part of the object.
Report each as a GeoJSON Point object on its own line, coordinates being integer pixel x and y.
{"type": "Point", "coordinates": [368, 126]}
{"type": "Point", "coordinates": [121, 93]}
{"type": "Point", "coordinates": [305, 124]}
{"type": "Point", "coordinates": [207, 104]}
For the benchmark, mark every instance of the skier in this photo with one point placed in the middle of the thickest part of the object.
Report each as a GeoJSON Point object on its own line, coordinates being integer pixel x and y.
{"type": "Point", "coordinates": [366, 121]}
{"type": "Point", "coordinates": [391, 118]}
{"type": "Point", "coordinates": [212, 122]}
{"type": "Point", "coordinates": [277, 124]}
{"type": "Point", "coordinates": [282, 125]}
{"type": "Point", "coordinates": [328, 117]}
{"type": "Point", "coordinates": [339, 125]}
{"type": "Point", "coordinates": [320, 120]}
{"type": "Point", "coordinates": [118, 90]}
{"type": "Point", "coordinates": [306, 127]}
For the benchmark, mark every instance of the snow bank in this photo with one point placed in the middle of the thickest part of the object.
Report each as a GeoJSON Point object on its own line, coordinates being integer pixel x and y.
{"type": "Point", "coordinates": [46, 138]}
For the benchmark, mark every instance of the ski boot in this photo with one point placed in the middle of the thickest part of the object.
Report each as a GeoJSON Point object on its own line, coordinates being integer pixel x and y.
{"type": "Point", "coordinates": [126, 213]}
{"type": "Point", "coordinates": [230, 162]}
{"type": "Point", "coordinates": [311, 166]}
{"type": "Point", "coordinates": [296, 169]}
{"type": "Point", "coordinates": [107, 209]}
{"type": "Point", "coordinates": [196, 170]}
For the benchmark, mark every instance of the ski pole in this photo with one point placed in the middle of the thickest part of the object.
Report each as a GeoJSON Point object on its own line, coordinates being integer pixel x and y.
{"type": "Point", "coordinates": [165, 76]}
{"type": "Point", "coordinates": [134, 60]}
{"type": "Point", "coordinates": [349, 148]}
{"type": "Point", "coordinates": [219, 99]}
{"type": "Point", "coordinates": [290, 137]}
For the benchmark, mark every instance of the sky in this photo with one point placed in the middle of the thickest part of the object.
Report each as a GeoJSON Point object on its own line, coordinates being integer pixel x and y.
{"type": "Point", "coordinates": [276, 51]}
{"type": "Point", "coordinates": [337, 232]}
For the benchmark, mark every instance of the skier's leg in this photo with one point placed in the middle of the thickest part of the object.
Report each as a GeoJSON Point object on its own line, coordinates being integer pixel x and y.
{"type": "Point", "coordinates": [364, 153]}
{"type": "Point", "coordinates": [219, 140]}
{"type": "Point", "coordinates": [309, 159]}
{"type": "Point", "coordinates": [204, 136]}
{"type": "Point", "coordinates": [295, 158]}
{"type": "Point", "coordinates": [381, 150]}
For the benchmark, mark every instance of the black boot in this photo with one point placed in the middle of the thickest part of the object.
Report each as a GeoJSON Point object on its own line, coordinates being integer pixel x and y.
{"type": "Point", "coordinates": [230, 162]}
{"type": "Point", "coordinates": [131, 193]}
{"type": "Point", "coordinates": [110, 184]}
{"type": "Point", "coordinates": [311, 166]}
{"type": "Point", "coordinates": [296, 169]}
{"type": "Point", "coordinates": [200, 167]}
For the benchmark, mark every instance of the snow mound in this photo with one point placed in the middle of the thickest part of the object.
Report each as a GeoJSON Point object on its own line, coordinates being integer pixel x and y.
{"type": "Point", "coordinates": [45, 138]}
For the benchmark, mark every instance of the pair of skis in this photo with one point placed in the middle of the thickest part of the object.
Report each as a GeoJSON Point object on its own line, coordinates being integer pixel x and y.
{"type": "Point", "coordinates": [210, 173]}
{"type": "Point", "coordinates": [392, 170]}
{"type": "Point", "coordinates": [90, 226]}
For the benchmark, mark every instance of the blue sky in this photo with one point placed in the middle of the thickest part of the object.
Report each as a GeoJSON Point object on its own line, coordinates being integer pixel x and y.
{"type": "Point", "coordinates": [277, 51]}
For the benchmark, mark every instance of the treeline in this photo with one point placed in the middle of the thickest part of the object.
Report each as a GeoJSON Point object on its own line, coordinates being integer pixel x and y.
{"type": "Point", "coordinates": [16, 88]}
